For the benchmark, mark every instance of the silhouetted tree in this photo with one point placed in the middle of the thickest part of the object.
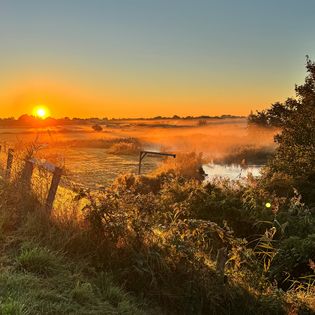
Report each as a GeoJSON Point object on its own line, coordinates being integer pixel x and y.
{"type": "Point", "coordinates": [27, 119]}
{"type": "Point", "coordinates": [276, 115]}
{"type": "Point", "coordinates": [295, 154]}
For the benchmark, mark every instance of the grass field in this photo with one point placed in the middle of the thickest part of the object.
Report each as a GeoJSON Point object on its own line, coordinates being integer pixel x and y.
{"type": "Point", "coordinates": [115, 150]}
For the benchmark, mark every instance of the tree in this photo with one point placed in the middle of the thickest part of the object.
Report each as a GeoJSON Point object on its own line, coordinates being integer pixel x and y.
{"type": "Point", "coordinates": [295, 154]}
{"type": "Point", "coordinates": [27, 119]}
{"type": "Point", "coordinates": [276, 115]}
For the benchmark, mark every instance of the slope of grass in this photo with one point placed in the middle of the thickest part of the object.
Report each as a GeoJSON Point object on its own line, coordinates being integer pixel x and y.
{"type": "Point", "coordinates": [36, 279]}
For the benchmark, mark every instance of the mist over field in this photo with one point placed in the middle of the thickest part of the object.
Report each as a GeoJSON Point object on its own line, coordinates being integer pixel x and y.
{"type": "Point", "coordinates": [215, 139]}
{"type": "Point", "coordinates": [115, 149]}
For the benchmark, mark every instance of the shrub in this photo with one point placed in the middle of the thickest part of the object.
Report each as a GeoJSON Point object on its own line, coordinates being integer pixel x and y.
{"type": "Point", "coordinates": [292, 259]}
{"type": "Point", "coordinates": [187, 165]}
{"type": "Point", "coordinates": [97, 128]}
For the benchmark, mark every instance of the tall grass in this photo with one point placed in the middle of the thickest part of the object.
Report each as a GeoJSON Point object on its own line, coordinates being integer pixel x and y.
{"type": "Point", "coordinates": [188, 165]}
{"type": "Point", "coordinates": [247, 154]}
{"type": "Point", "coordinates": [123, 148]}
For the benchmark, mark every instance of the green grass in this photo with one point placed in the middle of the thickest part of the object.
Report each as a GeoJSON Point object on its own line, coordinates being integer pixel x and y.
{"type": "Point", "coordinates": [37, 279]}
{"type": "Point", "coordinates": [40, 281]}
{"type": "Point", "coordinates": [38, 261]}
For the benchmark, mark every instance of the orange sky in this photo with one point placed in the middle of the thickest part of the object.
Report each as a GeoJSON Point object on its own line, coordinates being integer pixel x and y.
{"type": "Point", "coordinates": [122, 98]}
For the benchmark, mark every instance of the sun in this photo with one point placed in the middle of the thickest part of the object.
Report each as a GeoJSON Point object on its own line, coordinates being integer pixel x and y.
{"type": "Point", "coordinates": [41, 112]}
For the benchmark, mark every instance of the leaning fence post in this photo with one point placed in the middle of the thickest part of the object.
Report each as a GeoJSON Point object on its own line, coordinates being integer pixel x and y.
{"type": "Point", "coordinates": [9, 163]}
{"type": "Point", "coordinates": [27, 174]}
{"type": "Point", "coordinates": [53, 188]}
{"type": "Point", "coordinates": [220, 263]}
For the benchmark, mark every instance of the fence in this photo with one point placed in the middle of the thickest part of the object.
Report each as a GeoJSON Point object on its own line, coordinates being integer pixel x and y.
{"type": "Point", "coordinates": [27, 173]}
{"type": "Point", "coordinates": [65, 180]}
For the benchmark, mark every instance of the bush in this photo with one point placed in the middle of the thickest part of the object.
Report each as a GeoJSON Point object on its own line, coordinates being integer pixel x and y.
{"type": "Point", "coordinates": [292, 259]}
{"type": "Point", "coordinates": [97, 128]}
{"type": "Point", "coordinates": [187, 165]}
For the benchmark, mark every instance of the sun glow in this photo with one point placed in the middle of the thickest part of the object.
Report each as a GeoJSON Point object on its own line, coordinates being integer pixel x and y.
{"type": "Point", "coordinates": [41, 112]}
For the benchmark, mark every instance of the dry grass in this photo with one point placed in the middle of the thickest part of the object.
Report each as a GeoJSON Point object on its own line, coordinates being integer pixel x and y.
{"type": "Point", "coordinates": [188, 165]}
{"type": "Point", "coordinates": [124, 148]}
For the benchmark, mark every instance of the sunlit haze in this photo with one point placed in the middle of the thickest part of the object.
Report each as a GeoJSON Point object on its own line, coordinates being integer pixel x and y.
{"type": "Point", "coordinates": [41, 111]}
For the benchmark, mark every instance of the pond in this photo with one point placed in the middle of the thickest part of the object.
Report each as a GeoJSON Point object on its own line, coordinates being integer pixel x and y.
{"type": "Point", "coordinates": [233, 172]}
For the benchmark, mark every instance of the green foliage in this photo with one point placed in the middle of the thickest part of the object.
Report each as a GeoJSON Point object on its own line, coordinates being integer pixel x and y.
{"type": "Point", "coordinates": [163, 239]}
{"type": "Point", "coordinates": [292, 260]}
{"type": "Point", "coordinates": [295, 155]}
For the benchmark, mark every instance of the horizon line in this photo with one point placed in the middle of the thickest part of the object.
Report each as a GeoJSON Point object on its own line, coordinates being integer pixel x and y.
{"type": "Point", "coordinates": [127, 118]}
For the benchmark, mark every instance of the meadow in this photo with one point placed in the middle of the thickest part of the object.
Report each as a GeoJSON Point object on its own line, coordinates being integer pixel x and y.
{"type": "Point", "coordinates": [115, 150]}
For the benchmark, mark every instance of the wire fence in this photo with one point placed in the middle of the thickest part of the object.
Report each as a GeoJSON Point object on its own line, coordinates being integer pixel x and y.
{"type": "Point", "coordinates": [53, 185]}
{"type": "Point", "coordinates": [42, 178]}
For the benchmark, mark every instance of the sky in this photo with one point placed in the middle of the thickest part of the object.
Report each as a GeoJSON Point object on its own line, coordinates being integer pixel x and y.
{"type": "Point", "coordinates": [144, 58]}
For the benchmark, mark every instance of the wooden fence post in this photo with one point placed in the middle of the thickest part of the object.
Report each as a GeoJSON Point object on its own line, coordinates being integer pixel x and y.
{"type": "Point", "coordinates": [141, 157]}
{"type": "Point", "coordinates": [9, 164]}
{"type": "Point", "coordinates": [53, 189]}
{"type": "Point", "coordinates": [220, 263]}
{"type": "Point", "coordinates": [27, 174]}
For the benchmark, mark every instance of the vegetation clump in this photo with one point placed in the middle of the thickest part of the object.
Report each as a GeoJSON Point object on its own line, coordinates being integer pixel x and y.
{"type": "Point", "coordinates": [247, 155]}
{"type": "Point", "coordinates": [97, 128]}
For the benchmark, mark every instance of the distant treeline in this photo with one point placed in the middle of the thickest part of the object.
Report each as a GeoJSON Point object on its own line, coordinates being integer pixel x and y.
{"type": "Point", "coordinates": [29, 120]}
